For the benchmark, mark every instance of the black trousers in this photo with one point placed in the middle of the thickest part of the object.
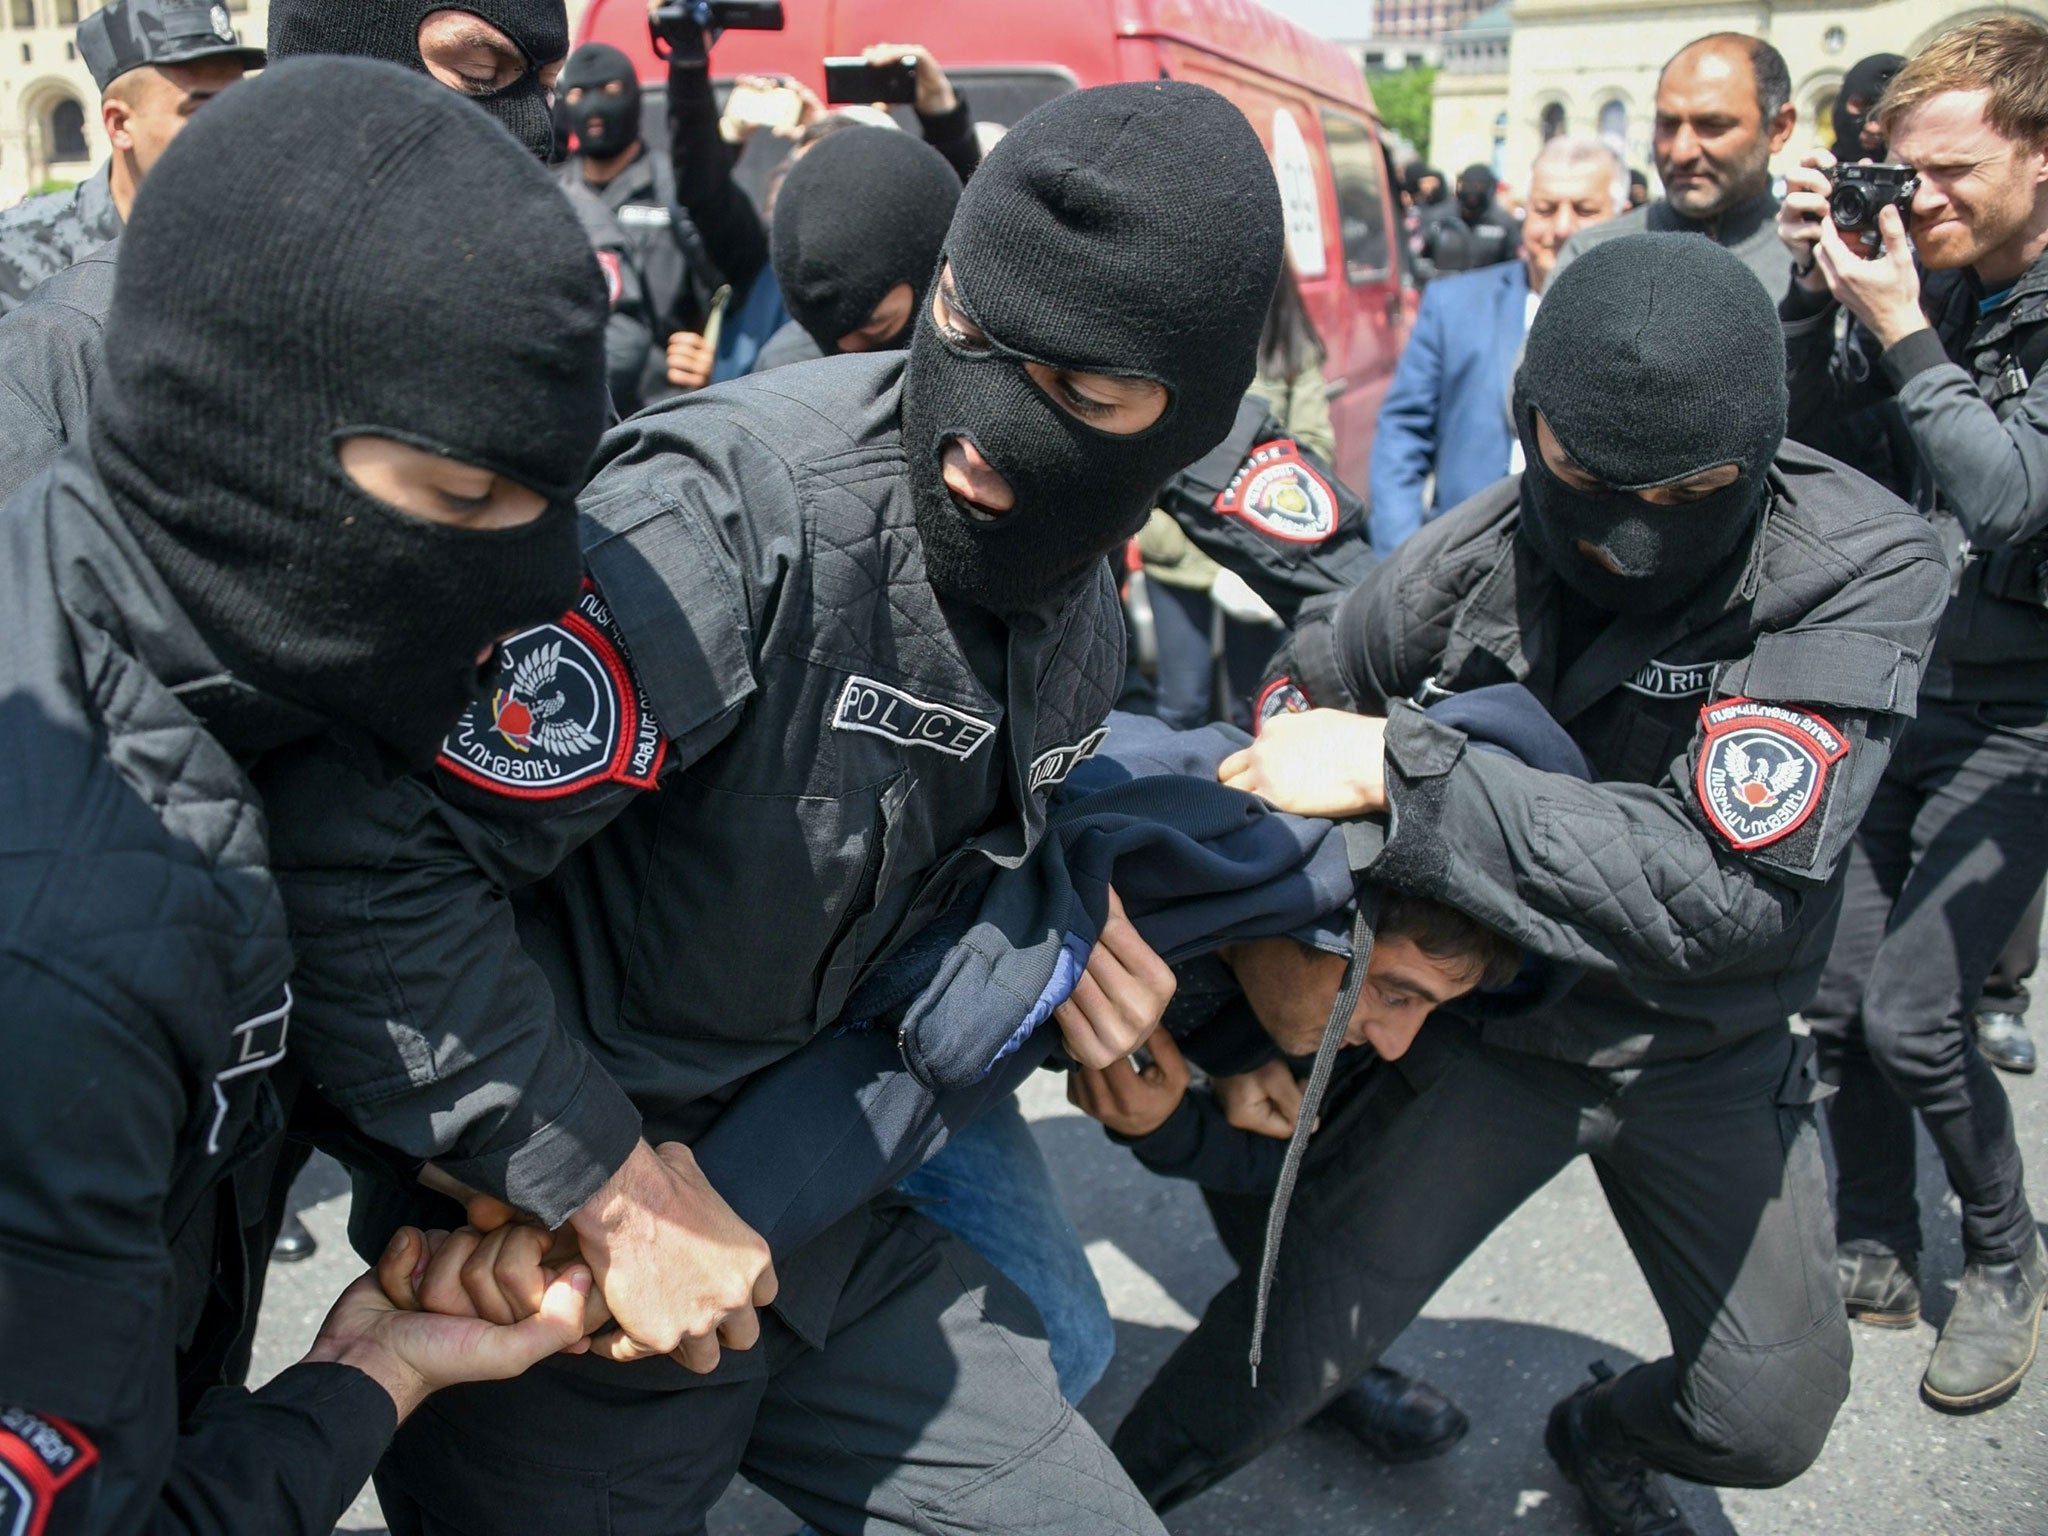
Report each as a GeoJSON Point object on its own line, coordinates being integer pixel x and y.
{"type": "Point", "coordinates": [932, 1407]}
{"type": "Point", "coordinates": [1953, 849]}
{"type": "Point", "coordinates": [1712, 1166]}
{"type": "Point", "coordinates": [2005, 989]}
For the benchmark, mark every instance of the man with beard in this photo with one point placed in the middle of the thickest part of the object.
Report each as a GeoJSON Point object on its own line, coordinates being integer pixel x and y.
{"type": "Point", "coordinates": [853, 620]}
{"type": "Point", "coordinates": [1724, 107]}
{"type": "Point", "coordinates": [1731, 630]}
{"type": "Point", "coordinates": [502, 54]}
{"type": "Point", "coordinates": [260, 545]}
{"type": "Point", "coordinates": [1955, 846]}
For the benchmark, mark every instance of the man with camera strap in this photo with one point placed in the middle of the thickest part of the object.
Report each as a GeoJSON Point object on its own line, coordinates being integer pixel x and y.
{"type": "Point", "coordinates": [1955, 843]}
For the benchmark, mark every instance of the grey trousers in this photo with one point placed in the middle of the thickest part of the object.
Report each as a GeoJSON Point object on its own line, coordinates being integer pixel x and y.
{"type": "Point", "coordinates": [933, 1407]}
{"type": "Point", "coordinates": [1712, 1167]}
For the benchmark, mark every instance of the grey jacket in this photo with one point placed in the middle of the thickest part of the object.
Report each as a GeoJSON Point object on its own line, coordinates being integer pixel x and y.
{"type": "Point", "coordinates": [1736, 741]}
{"type": "Point", "coordinates": [144, 962]}
{"type": "Point", "coordinates": [1748, 230]}
{"type": "Point", "coordinates": [51, 349]}
{"type": "Point", "coordinates": [42, 236]}
{"type": "Point", "coordinates": [1972, 421]}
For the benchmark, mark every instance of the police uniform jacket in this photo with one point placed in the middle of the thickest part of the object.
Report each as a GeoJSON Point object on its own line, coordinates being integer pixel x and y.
{"type": "Point", "coordinates": [144, 963]}
{"type": "Point", "coordinates": [42, 236]}
{"type": "Point", "coordinates": [1735, 740]}
{"type": "Point", "coordinates": [1969, 397]}
{"type": "Point", "coordinates": [760, 754]}
{"type": "Point", "coordinates": [51, 350]}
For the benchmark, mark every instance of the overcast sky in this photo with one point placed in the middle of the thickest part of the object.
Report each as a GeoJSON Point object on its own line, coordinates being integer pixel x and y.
{"type": "Point", "coordinates": [1332, 18]}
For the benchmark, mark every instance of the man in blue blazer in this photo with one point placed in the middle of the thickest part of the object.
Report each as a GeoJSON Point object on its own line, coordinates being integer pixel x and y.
{"type": "Point", "coordinates": [1447, 412]}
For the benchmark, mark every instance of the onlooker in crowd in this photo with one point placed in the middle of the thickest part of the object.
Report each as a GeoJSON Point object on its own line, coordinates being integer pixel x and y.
{"type": "Point", "coordinates": [859, 223]}
{"type": "Point", "coordinates": [1475, 232]}
{"type": "Point", "coordinates": [1719, 619]}
{"type": "Point", "coordinates": [262, 543]}
{"type": "Point", "coordinates": [1448, 413]}
{"type": "Point", "coordinates": [1954, 846]}
{"type": "Point", "coordinates": [1428, 199]}
{"type": "Point", "coordinates": [1205, 617]}
{"type": "Point", "coordinates": [1724, 107]}
{"type": "Point", "coordinates": [1858, 134]}
{"type": "Point", "coordinates": [156, 62]}
{"type": "Point", "coordinates": [499, 54]}
{"type": "Point", "coordinates": [599, 101]}
{"type": "Point", "coordinates": [735, 234]}
{"type": "Point", "coordinates": [1638, 189]}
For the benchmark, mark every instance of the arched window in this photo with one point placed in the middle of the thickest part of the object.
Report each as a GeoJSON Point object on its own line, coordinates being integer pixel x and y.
{"type": "Point", "coordinates": [1614, 126]}
{"type": "Point", "coordinates": [1552, 121]}
{"type": "Point", "coordinates": [67, 131]}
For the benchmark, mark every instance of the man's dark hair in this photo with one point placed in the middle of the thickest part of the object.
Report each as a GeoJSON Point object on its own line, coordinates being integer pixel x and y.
{"type": "Point", "coordinates": [1445, 933]}
{"type": "Point", "coordinates": [1766, 64]}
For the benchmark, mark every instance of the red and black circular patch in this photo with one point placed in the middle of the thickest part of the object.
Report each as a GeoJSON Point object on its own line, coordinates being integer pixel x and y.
{"type": "Point", "coordinates": [1280, 493]}
{"type": "Point", "coordinates": [1763, 769]}
{"type": "Point", "coordinates": [1279, 697]}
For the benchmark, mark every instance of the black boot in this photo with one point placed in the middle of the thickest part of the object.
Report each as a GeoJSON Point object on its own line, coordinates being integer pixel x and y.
{"type": "Point", "coordinates": [293, 1243]}
{"type": "Point", "coordinates": [1398, 1418]}
{"type": "Point", "coordinates": [1879, 1287]}
{"type": "Point", "coordinates": [2002, 1037]}
{"type": "Point", "coordinates": [1990, 1337]}
{"type": "Point", "coordinates": [1625, 1497]}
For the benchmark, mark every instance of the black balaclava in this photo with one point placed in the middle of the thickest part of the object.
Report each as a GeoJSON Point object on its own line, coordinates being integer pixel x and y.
{"type": "Point", "coordinates": [862, 211]}
{"type": "Point", "coordinates": [1653, 357]}
{"type": "Point", "coordinates": [1865, 81]}
{"type": "Point", "coordinates": [593, 67]}
{"type": "Point", "coordinates": [390, 30]}
{"type": "Point", "coordinates": [340, 248]}
{"type": "Point", "coordinates": [1129, 229]}
{"type": "Point", "coordinates": [1475, 190]}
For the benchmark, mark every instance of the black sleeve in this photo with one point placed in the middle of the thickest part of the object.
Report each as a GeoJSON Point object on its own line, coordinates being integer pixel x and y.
{"type": "Point", "coordinates": [1197, 1144]}
{"type": "Point", "coordinates": [49, 360]}
{"type": "Point", "coordinates": [834, 1124]}
{"type": "Point", "coordinates": [952, 135]}
{"type": "Point", "coordinates": [734, 237]}
{"type": "Point", "coordinates": [1828, 380]}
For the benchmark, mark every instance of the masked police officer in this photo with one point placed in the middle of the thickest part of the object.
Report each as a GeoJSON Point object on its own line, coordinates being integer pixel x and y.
{"type": "Point", "coordinates": [156, 62]}
{"type": "Point", "coordinates": [854, 620]}
{"type": "Point", "coordinates": [261, 544]}
{"type": "Point", "coordinates": [1731, 629]}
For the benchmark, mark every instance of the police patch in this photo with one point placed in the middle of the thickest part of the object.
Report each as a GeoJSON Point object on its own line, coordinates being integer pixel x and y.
{"type": "Point", "coordinates": [39, 1458]}
{"type": "Point", "coordinates": [223, 28]}
{"type": "Point", "coordinates": [876, 709]}
{"type": "Point", "coordinates": [564, 713]}
{"type": "Point", "coordinates": [614, 277]}
{"type": "Point", "coordinates": [1279, 493]}
{"type": "Point", "coordinates": [1279, 697]}
{"type": "Point", "coordinates": [1050, 768]}
{"type": "Point", "coordinates": [1763, 768]}
{"type": "Point", "coordinates": [1665, 680]}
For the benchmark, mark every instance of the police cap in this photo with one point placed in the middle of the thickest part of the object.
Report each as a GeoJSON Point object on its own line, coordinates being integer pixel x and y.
{"type": "Point", "coordinates": [127, 34]}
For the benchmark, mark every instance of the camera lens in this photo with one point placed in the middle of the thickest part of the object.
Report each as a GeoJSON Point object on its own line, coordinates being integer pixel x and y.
{"type": "Point", "coordinates": [1850, 206]}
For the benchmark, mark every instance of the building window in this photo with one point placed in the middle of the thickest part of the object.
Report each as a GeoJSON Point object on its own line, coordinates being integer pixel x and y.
{"type": "Point", "coordinates": [1552, 121]}
{"type": "Point", "coordinates": [1614, 127]}
{"type": "Point", "coordinates": [1361, 207]}
{"type": "Point", "coordinates": [67, 131]}
{"type": "Point", "coordinates": [67, 13]}
{"type": "Point", "coordinates": [23, 13]}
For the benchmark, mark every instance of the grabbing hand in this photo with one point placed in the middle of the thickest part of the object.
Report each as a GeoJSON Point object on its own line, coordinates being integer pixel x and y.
{"type": "Point", "coordinates": [1883, 291]}
{"type": "Point", "coordinates": [1130, 1101]}
{"type": "Point", "coordinates": [500, 1274]}
{"type": "Point", "coordinates": [680, 1271]}
{"type": "Point", "coordinates": [1321, 762]}
{"type": "Point", "coordinates": [690, 360]}
{"type": "Point", "coordinates": [413, 1354]}
{"type": "Point", "coordinates": [1120, 998]}
{"type": "Point", "coordinates": [1265, 1101]}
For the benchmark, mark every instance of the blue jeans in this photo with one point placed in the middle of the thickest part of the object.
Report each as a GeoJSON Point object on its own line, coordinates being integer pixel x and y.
{"type": "Point", "coordinates": [990, 1187]}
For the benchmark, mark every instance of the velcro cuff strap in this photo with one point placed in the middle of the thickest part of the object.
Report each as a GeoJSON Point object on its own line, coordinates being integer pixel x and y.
{"type": "Point", "coordinates": [1419, 747]}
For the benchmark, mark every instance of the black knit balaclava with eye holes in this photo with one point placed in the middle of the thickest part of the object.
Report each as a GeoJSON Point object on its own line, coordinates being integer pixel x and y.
{"type": "Point", "coordinates": [1130, 229]}
{"type": "Point", "coordinates": [339, 249]}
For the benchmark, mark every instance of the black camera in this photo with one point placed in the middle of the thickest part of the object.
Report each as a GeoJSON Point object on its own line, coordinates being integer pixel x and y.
{"type": "Point", "coordinates": [1860, 192]}
{"type": "Point", "coordinates": [685, 29]}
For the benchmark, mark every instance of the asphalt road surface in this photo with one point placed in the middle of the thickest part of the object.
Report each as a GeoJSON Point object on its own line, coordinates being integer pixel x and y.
{"type": "Point", "coordinates": [1514, 1330]}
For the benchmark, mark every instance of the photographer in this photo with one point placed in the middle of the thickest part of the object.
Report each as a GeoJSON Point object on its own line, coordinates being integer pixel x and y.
{"type": "Point", "coordinates": [1954, 844]}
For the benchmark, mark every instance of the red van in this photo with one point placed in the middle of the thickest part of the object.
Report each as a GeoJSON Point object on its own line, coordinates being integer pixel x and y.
{"type": "Point", "coordinates": [1305, 96]}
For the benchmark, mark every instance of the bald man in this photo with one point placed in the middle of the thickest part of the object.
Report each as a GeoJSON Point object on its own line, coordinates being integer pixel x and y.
{"type": "Point", "coordinates": [1724, 107]}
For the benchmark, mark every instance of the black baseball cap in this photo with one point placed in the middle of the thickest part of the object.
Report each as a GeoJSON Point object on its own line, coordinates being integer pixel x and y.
{"type": "Point", "coordinates": [127, 34]}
